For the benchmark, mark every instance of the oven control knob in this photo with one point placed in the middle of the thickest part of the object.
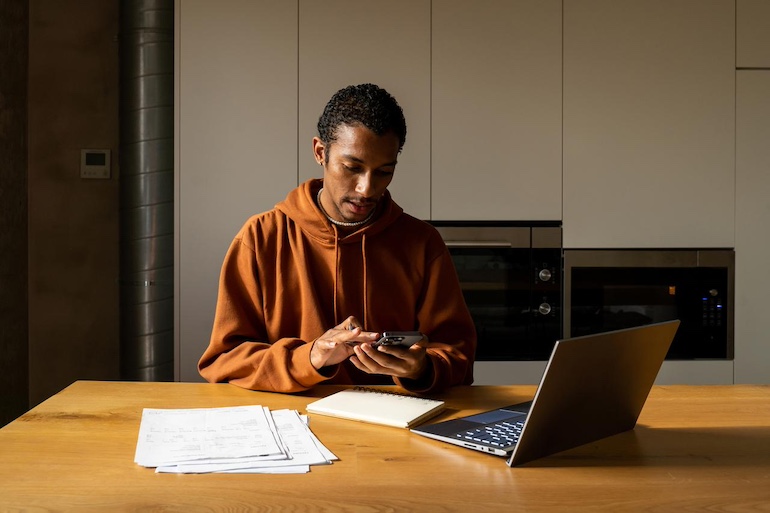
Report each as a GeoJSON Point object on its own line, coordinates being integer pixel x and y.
{"type": "Point", "coordinates": [544, 308]}
{"type": "Point", "coordinates": [545, 274]}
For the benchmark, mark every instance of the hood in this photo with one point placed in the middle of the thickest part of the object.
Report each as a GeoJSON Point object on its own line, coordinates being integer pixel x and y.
{"type": "Point", "coordinates": [300, 206]}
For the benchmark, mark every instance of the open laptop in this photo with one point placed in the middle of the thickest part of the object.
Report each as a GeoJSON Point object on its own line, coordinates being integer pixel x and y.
{"type": "Point", "coordinates": [593, 387]}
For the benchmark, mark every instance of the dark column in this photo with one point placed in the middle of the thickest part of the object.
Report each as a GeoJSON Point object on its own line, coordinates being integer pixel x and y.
{"type": "Point", "coordinates": [14, 333]}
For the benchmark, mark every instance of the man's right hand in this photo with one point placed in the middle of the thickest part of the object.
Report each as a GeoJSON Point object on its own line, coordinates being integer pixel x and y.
{"type": "Point", "coordinates": [336, 345]}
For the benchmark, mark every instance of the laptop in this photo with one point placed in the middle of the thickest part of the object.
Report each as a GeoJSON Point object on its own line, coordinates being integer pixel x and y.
{"type": "Point", "coordinates": [593, 387]}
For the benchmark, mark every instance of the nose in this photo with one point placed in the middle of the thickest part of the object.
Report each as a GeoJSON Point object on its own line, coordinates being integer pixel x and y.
{"type": "Point", "coordinates": [364, 185]}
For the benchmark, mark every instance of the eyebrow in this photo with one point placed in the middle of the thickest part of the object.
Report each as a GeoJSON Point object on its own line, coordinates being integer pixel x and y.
{"type": "Point", "coordinates": [359, 161]}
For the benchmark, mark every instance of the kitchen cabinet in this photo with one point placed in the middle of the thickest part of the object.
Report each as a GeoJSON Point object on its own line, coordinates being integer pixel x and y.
{"type": "Point", "coordinates": [649, 121]}
{"type": "Point", "coordinates": [752, 33]}
{"type": "Point", "coordinates": [615, 116]}
{"type": "Point", "coordinates": [237, 66]}
{"type": "Point", "coordinates": [496, 110]}
{"type": "Point", "coordinates": [752, 245]}
{"type": "Point", "coordinates": [344, 42]}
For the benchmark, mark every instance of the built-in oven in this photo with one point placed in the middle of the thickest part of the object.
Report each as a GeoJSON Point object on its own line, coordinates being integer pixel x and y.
{"type": "Point", "coordinates": [612, 289]}
{"type": "Point", "coordinates": [511, 279]}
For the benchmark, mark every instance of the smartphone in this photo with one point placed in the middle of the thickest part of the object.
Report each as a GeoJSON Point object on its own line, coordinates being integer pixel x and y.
{"type": "Point", "coordinates": [398, 338]}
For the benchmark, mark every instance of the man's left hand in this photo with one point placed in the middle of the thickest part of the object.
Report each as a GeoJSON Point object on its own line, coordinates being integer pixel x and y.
{"type": "Point", "coordinates": [401, 362]}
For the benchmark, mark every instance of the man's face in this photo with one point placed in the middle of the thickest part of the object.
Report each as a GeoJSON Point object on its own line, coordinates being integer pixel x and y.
{"type": "Point", "coordinates": [358, 167]}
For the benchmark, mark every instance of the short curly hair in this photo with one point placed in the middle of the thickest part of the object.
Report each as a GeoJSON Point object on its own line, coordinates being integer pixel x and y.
{"type": "Point", "coordinates": [364, 104]}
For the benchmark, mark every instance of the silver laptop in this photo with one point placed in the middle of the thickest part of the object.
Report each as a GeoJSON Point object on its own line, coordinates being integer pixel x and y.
{"type": "Point", "coordinates": [593, 387]}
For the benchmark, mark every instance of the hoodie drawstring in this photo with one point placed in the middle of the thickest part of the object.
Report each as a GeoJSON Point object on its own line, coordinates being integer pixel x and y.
{"type": "Point", "coordinates": [336, 273]}
{"type": "Point", "coordinates": [366, 281]}
{"type": "Point", "coordinates": [337, 277]}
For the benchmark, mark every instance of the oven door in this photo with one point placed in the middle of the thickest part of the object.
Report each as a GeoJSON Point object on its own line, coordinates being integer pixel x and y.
{"type": "Point", "coordinates": [512, 292]}
{"type": "Point", "coordinates": [609, 290]}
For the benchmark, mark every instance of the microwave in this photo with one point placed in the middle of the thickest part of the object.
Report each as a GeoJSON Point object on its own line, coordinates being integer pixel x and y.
{"type": "Point", "coordinates": [606, 290]}
{"type": "Point", "coordinates": [511, 279]}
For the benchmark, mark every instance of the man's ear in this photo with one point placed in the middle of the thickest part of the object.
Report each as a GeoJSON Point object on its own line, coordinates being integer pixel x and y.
{"type": "Point", "coordinates": [319, 151]}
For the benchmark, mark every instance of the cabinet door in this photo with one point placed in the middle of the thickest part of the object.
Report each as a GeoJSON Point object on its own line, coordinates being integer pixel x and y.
{"type": "Point", "coordinates": [236, 142]}
{"type": "Point", "coordinates": [752, 33]}
{"type": "Point", "coordinates": [496, 120]}
{"type": "Point", "coordinates": [345, 42]}
{"type": "Point", "coordinates": [752, 245]}
{"type": "Point", "coordinates": [649, 121]}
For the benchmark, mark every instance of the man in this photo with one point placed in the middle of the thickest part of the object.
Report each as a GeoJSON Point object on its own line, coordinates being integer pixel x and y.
{"type": "Point", "coordinates": [308, 286]}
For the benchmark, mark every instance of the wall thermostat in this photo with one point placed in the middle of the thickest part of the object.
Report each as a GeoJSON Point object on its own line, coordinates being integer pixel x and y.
{"type": "Point", "coordinates": [95, 164]}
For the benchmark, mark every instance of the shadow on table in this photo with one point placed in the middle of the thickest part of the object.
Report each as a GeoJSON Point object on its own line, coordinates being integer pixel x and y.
{"type": "Point", "coordinates": [645, 446]}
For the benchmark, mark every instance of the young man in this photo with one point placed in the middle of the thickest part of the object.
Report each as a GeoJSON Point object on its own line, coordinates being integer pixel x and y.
{"type": "Point", "coordinates": [309, 285]}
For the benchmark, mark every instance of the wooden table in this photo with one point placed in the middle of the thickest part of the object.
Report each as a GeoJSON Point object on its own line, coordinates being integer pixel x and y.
{"type": "Point", "coordinates": [695, 449]}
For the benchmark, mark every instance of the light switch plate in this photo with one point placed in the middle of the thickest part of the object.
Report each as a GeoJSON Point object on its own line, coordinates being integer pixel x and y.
{"type": "Point", "coordinates": [95, 164]}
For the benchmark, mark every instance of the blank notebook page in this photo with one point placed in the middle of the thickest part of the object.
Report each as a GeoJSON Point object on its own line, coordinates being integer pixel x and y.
{"type": "Point", "coordinates": [377, 406]}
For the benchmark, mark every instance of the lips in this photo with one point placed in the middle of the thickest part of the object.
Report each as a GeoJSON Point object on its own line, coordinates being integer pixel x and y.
{"type": "Point", "coordinates": [360, 208]}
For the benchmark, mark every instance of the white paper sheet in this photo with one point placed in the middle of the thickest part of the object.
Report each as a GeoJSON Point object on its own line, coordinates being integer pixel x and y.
{"type": "Point", "coordinates": [243, 439]}
{"type": "Point", "coordinates": [302, 449]}
{"type": "Point", "coordinates": [168, 436]}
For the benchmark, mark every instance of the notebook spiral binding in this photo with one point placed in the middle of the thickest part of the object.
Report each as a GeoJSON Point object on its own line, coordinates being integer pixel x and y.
{"type": "Point", "coordinates": [388, 392]}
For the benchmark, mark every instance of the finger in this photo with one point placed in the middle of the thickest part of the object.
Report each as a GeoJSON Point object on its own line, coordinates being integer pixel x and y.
{"type": "Point", "coordinates": [349, 324]}
{"type": "Point", "coordinates": [371, 367]}
{"type": "Point", "coordinates": [360, 366]}
{"type": "Point", "coordinates": [368, 363]}
{"type": "Point", "coordinates": [352, 331]}
{"type": "Point", "coordinates": [380, 362]}
{"type": "Point", "coordinates": [396, 351]}
{"type": "Point", "coordinates": [357, 337]}
{"type": "Point", "coordinates": [409, 354]}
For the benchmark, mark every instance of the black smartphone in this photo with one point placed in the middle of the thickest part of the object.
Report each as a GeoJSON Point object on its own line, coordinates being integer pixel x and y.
{"type": "Point", "coordinates": [398, 338]}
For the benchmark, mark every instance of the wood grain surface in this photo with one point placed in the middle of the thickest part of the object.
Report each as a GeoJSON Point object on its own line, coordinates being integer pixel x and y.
{"type": "Point", "coordinates": [694, 449]}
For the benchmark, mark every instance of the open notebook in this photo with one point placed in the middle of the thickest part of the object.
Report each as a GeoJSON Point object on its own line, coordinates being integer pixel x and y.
{"type": "Point", "coordinates": [377, 406]}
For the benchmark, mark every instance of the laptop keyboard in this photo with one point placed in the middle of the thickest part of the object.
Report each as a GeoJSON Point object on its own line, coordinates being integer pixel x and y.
{"type": "Point", "coordinates": [500, 434]}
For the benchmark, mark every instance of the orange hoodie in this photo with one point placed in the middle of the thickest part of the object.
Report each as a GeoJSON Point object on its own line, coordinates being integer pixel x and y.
{"type": "Point", "coordinates": [288, 277]}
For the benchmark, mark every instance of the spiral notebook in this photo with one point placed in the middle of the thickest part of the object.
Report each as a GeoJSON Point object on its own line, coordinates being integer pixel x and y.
{"type": "Point", "coordinates": [377, 406]}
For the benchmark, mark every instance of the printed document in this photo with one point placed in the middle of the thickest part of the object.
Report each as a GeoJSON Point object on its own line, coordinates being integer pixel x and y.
{"type": "Point", "coordinates": [247, 439]}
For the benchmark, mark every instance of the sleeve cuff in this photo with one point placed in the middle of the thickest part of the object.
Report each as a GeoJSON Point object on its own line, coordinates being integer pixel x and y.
{"type": "Point", "coordinates": [304, 372]}
{"type": "Point", "coordinates": [425, 383]}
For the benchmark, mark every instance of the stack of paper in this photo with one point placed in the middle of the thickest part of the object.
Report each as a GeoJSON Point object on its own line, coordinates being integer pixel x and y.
{"type": "Point", "coordinates": [243, 439]}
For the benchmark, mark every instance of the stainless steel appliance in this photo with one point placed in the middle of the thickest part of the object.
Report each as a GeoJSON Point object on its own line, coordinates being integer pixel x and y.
{"type": "Point", "coordinates": [611, 289]}
{"type": "Point", "coordinates": [511, 278]}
